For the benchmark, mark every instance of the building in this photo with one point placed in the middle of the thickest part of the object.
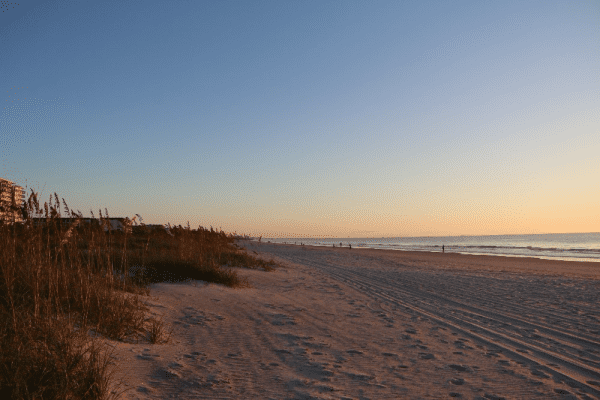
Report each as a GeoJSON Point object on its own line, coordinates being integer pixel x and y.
{"type": "Point", "coordinates": [12, 198]}
{"type": "Point", "coordinates": [116, 224]}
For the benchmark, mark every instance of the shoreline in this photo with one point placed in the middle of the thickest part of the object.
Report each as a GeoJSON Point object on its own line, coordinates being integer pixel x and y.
{"type": "Point", "coordinates": [561, 251]}
{"type": "Point", "coordinates": [459, 261]}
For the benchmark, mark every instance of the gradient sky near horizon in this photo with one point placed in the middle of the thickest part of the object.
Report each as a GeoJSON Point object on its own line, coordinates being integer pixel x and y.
{"type": "Point", "coordinates": [309, 118]}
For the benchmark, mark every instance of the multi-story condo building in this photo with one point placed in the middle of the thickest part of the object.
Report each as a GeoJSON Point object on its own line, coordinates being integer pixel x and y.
{"type": "Point", "coordinates": [11, 195]}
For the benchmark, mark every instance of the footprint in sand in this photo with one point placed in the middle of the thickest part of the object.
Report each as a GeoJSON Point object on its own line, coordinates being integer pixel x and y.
{"type": "Point", "coordinates": [538, 373]}
{"type": "Point", "coordinates": [315, 371]}
{"type": "Point", "coordinates": [323, 389]}
{"type": "Point", "coordinates": [294, 383]}
{"type": "Point", "coordinates": [197, 318]}
{"type": "Point", "coordinates": [460, 368]}
{"type": "Point", "coordinates": [281, 319]}
{"type": "Point", "coordinates": [143, 389]}
{"type": "Point", "coordinates": [359, 377]}
{"type": "Point", "coordinates": [165, 374]}
{"type": "Point", "coordinates": [493, 397]}
{"type": "Point", "coordinates": [352, 351]}
{"type": "Point", "coordinates": [339, 359]}
{"type": "Point", "coordinates": [562, 391]}
{"type": "Point", "coordinates": [491, 354]}
{"type": "Point", "coordinates": [147, 356]}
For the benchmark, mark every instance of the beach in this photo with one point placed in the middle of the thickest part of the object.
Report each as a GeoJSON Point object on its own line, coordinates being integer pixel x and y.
{"type": "Point", "coordinates": [340, 323]}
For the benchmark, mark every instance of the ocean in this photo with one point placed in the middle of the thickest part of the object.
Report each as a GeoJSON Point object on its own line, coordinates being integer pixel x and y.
{"type": "Point", "coordinates": [552, 246]}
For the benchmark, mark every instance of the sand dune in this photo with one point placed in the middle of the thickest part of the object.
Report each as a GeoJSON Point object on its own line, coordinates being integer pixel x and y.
{"type": "Point", "coordinates": [349, 324]}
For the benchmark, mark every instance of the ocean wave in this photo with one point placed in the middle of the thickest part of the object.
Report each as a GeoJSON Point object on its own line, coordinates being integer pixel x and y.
{"type": "Point", "coordinates": [485, 247]}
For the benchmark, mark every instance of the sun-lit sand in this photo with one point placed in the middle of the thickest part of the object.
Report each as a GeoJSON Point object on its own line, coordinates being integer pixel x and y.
{"type": "Point", "coordinates": [335, 323]}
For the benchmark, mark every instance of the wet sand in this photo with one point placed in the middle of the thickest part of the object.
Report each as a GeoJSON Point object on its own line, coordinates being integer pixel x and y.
{"type": "Point", "coordinates": [526, 265]}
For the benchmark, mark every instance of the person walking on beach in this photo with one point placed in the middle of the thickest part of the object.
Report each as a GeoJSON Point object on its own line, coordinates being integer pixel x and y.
{"type": "Point", "coordinates": [350, 246]}
{"type": "Point", "coordinates": [442, 248]}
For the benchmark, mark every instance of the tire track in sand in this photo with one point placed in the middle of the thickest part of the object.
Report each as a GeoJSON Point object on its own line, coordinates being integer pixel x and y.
{"type": "Point", "coordinates": [564, 367]}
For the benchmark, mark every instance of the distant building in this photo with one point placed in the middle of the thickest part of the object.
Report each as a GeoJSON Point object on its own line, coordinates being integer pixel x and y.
{"type": "Point", "coordinates": [116, 224]}
{"type": "Point", "coordinates": [12, 198]}
{"type": "Point", "coordinates": [243, 237]}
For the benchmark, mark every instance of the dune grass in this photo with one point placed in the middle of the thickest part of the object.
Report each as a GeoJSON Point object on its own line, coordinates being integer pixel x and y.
{"type": "Point", "coordinates": [58, 283]}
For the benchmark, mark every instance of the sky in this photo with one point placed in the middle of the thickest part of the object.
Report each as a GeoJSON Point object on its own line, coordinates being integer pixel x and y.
{"type": "Point", "coordinates": [308, 118]}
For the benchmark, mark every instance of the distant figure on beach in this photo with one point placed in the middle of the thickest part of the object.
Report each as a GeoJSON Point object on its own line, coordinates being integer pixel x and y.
{"type": "Point", "coordinates": [350, 246]}
{"type": "Point", "coordinates": [442, 248]}
{"type": "Point", "coordinates": [334, 245]}
{"type": "Point", "coordinates": [340, 244]}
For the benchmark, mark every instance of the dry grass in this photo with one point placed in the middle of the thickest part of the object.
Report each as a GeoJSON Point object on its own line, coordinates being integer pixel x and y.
{"type": "Point", "coordinates": [59, 282]}
{"type": "Point", "coordinates": [157, 332]}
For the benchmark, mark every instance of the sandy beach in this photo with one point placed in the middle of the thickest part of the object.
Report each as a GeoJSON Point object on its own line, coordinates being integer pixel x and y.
{"type": "Point", "coordinates": [335, 323]}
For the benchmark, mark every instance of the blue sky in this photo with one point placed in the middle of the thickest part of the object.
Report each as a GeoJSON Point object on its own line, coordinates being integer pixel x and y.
{"type": "Point", "coordinates": [323, 118]}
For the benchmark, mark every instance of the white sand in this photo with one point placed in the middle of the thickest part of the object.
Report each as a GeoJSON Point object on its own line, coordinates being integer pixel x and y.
{"type": "Point", "coordinates": [368, 324]}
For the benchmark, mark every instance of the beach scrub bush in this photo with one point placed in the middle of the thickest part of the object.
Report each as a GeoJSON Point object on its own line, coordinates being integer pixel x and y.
{"type": "Point", "coordinates": [59, 282]}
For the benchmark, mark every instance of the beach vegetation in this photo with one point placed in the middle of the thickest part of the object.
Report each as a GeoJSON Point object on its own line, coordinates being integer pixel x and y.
{"type": "Point", "coordinates": [65, 285]}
